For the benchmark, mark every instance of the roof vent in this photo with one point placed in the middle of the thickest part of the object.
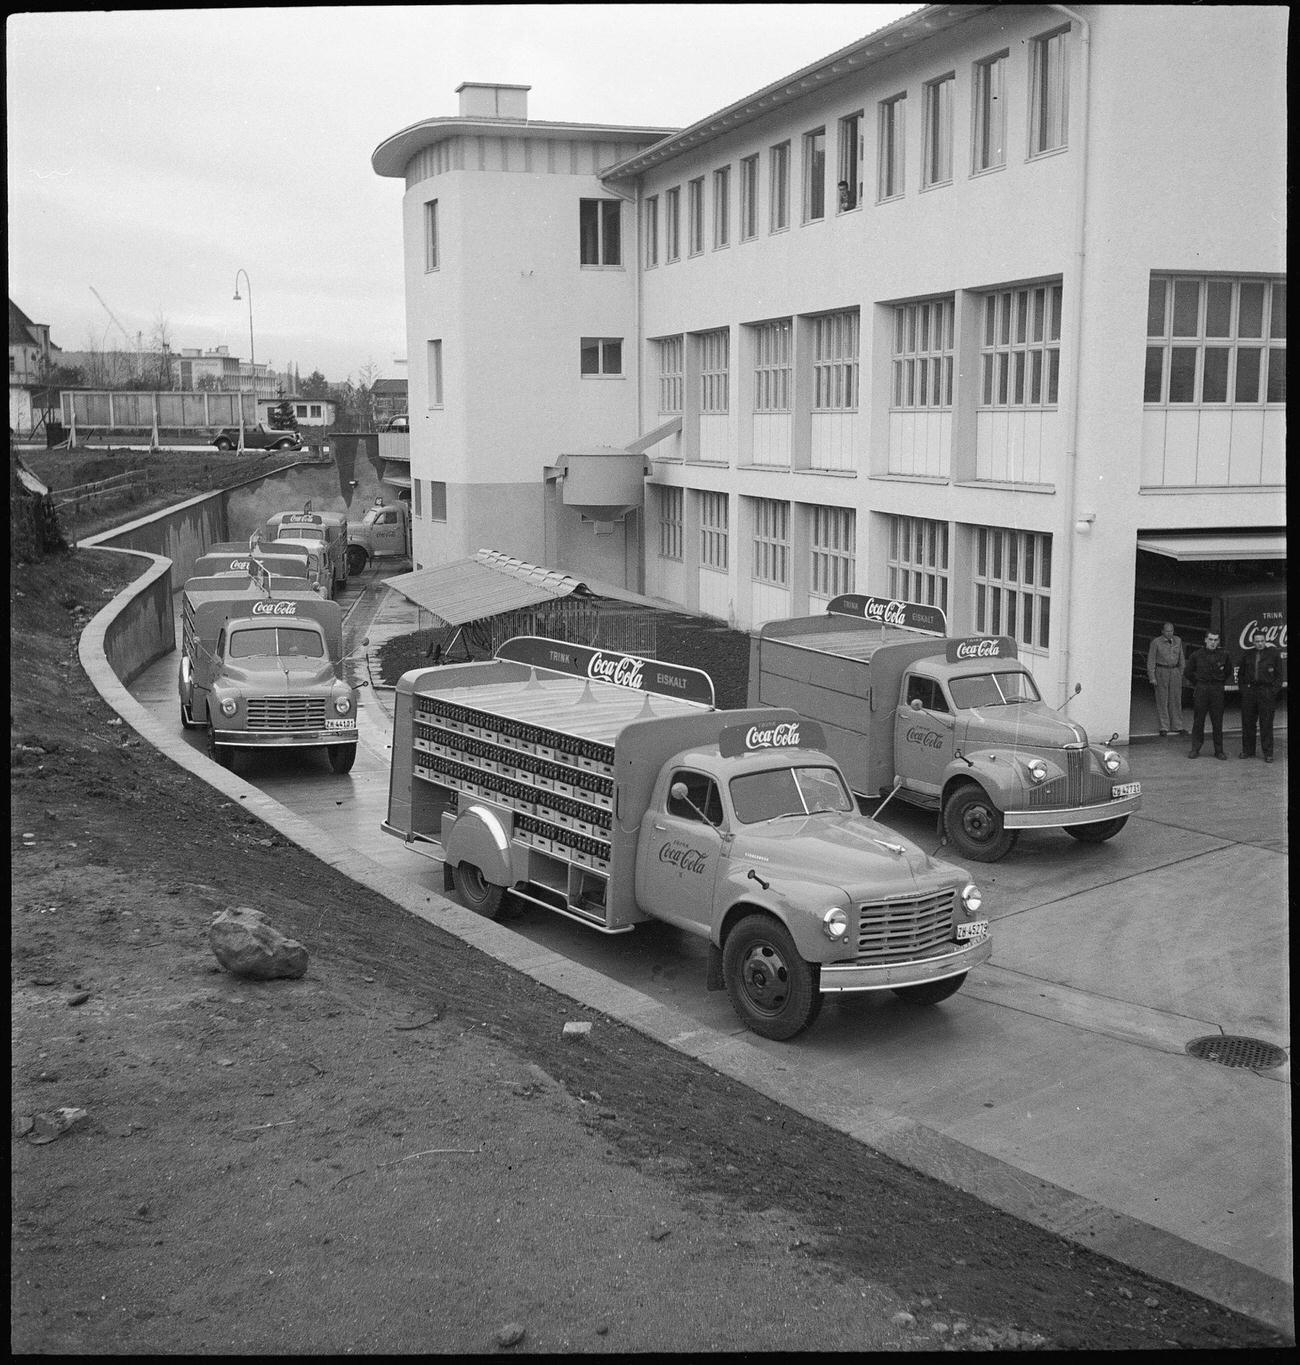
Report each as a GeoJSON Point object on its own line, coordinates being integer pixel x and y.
{"type": "Point", "coordinates": [480, 100]}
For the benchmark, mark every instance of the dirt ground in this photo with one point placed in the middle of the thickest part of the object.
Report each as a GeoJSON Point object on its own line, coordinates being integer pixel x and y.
{"type": "Point", "coordinates": [399, 1152]}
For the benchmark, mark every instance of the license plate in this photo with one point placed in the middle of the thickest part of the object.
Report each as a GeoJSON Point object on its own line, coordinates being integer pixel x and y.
{"type": "Point", "coordinates": [340, 725]}
{"type": "Point", "coordinates": [1126, 789]}
{"type": "Point", "coordinates": [972, 932]}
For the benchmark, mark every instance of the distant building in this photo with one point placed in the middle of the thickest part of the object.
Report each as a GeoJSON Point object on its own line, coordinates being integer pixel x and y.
{"type": "Point", "coordinates": [389, 399]}
{"type": "Point", "coordinates": [308, 412]}
{"type": "Point", "coordinates": [31, 354]}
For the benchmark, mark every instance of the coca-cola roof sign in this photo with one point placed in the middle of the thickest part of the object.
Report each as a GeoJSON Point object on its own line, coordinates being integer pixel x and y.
{"type": "Point", "coordinates": [278, 608]}
{"type": "Point", "coordinates": [301, 519]}
{"type": "Point", "coordinates": [608, 666]}
{"type": "Point", "coordinates": [889, 611]}
{"type": "Point", "coordinates": [737, 740]}
{"type": "Point", "coordinates": [981, 647]}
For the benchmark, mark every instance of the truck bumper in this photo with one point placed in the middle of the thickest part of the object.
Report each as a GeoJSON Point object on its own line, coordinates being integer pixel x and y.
{"type": "Point", "coordinates": [294, 739]}
{"type": "Point", "coordinates": [857, 976]}
{"type": "Point", "coordinates": [1078, 815]}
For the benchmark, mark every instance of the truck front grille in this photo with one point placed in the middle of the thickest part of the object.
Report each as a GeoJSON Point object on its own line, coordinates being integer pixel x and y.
{"type": "Point", "coordinates": [286, 713]}
{"type": "Point", "coordinates": [1082, 784]}
{"type": "Point", "coordinates": [889, 930]}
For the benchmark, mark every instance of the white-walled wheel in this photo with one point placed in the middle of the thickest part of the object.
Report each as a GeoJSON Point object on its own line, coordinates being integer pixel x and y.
{"type": "Point", "coordinates": [479, 894]}
{"type": "Point", "coordinates": [773, 990]}
{"type": "Point", "coordinates": [974, 825]}
{"type": "Point", "coordinates": [930, 992]}
{"type": "Point", "coordinates": [342, 757]}
{"type": "Point", "coordinates": [220, 753]}
{"type": "Point", "coordinates": [1098, 832]}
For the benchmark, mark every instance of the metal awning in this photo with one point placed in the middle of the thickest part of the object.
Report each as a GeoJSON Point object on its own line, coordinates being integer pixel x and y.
{"type": "Point", "coordinates": [1224, 545]}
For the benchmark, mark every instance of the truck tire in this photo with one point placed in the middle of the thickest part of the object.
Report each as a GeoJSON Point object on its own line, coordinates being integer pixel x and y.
{"type": "Point", "coordinates": [220, 753]}
{"type": "Point", "coordinates": [772, 989]}
{"type": "Point", "coordinates": [930, 992]}
{"type": "Point", "coordinates": [974, 825]}
{"type": "Point", "coordinates": [356, 559]}
{"type": "Point", "coordinates": [1098, 832]}
{"type": "Point", "coordinates": [342, 757]}
{"type": "Point", "coordinates": [479, 894]}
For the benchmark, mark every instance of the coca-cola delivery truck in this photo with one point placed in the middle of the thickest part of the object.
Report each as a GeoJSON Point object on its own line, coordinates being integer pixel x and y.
{"type": "Point", "coordinates": [607, 788]}
{"type": "Point", "coordinates": [956, 726]}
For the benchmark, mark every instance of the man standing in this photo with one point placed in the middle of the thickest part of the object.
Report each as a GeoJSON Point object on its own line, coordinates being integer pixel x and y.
{"type": "Point", "coordinates": [1165, 664]}
{"type": "Point", "coordinates": [1259, 676]}
{"type": "Point", "coordinates": [1208, 670]}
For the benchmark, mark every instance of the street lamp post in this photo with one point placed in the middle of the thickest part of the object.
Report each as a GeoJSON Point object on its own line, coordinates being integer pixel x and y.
{"type": "Point", "coordinates": [252, 355]}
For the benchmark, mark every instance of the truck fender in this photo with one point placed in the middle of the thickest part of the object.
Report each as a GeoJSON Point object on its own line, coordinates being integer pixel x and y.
{"type": "Point", "coordinates": [479, 836]}
{"type": "Point", "coordinates": [997, 777]}
{"type": "Point", "coordinates": [770, 901]}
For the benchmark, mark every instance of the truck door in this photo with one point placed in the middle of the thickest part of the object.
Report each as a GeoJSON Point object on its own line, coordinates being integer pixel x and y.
{"type": "Point", "coordinates": [679, 852]}
{"type": "Point", "coordinates": [387, 530]}
{"type": "Point", "coordinates": [923, 734]}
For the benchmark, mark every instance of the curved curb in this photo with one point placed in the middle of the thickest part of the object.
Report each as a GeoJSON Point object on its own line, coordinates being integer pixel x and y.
{"type": "Point", "coordinates": [737, 1055]}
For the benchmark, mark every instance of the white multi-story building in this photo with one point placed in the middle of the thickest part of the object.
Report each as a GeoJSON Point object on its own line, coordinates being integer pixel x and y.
{"type": "Point", "coordinates": [961, 313]}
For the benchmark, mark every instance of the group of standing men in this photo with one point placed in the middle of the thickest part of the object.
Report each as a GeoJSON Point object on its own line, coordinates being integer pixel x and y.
{"type": "Point", "coordinates": [1207, 671]}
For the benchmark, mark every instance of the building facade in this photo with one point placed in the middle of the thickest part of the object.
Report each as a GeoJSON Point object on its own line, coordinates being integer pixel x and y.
{"type": "Point", "coordinates": [963, 313]}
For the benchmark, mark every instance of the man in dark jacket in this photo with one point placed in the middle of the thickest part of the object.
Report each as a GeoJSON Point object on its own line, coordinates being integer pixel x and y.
{"type": "Point", "coordinates": [1259, 676]}
{"type": "Point", "coordinates": [1207, 672]}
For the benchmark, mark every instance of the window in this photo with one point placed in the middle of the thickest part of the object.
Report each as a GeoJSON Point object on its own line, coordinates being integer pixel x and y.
{"type": "Point", "coordinates": [918, 561]}
{"type": "Point", "coordinates": [437, 500]}
{"type": "Point", "coordinates": [671, 352]}
{"type": "Point", "coordinates": [835, 362]}
{"type": "Point", "coordinates": [416, 499]}
{"type": "Point", "coordinates": [990, 113]}
{"type": "Point", "coordinates": [713, 530]}
{"type": "Point", "coordinates": [721, 207]}
{"type": "Point", "coordinates": [670, 523]}
{"type": "Point", "coordinates": [715, 359]}
{"type": "Point", "coordinates": [938, 131]}
{"type": "Point", "coordinates": [702, 801]}
{"type": "Point", "coordinates": [771, 542]}
{"type": "Point", "coordinates": [431, 235]}
{"type": "Point", "coordinates": [598, 231]}
{"type": "Point", "coordinates": [652, 230]}
{"type": "Point", "coordinates": [695, 216]}
{"type": "Point", "coordinates": [1013, 583]}
{"type": "Point", "coordinates": [300, 410]}
{"type": "Point", "coordinates": [891, 147]}
{"type": "Point", "coordinates": [772, 366]}
{"type": "Point", "coordinates": [778, 189]}
{"type": "Point", "coordinates": [673, 224]}
{"type": "Point", "coordinates": [749, 198]}
{"type": "Point", "coordinates": [814, 175]}
{"type": "Point", "coordinates": [833, 550]}
{"type": "Point", "coordinates": [601, 356]}
{"type": "Point", "coordinates": [928, 691]}
{"type": "Point", "coordinates": [922, 364]}
{"type": "Point", "coordinates": [1020, 354]}
{"type": "Point", "coordinates": [849, 188]}
{"type": "Point", "coordinates": [433, 365]}
{"type": "Point", "coordinates": [1215, 339]}
{"type": "Point", "coordinates": [1048, 95]}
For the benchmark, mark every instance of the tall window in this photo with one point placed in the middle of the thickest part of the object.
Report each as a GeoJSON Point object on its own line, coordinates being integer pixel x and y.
{"type": "Point", "coordinates": [923, 348]}
{"type": "Point", "coordinates": [849, 187]}
{"type": "Point", "coordinates": [715, 359]}
{"type": "Point", "coordinates": [814, 175]}
{"type": "Point", "coordinates": [938, 131]}
{"type": "Point", "coordinates": [1013, 585]}
{"type": "Point", "coordinates": [835, 362]}
{"type": "Point", "coordinates": [673, 224]}
{"type": "Point", "coordinates": [601, 355]}
{"type": "Point", "coordinates": [671, 351]}
{"type": "Point", "coordinates": [433, 366]}
{"type": "Point", "coordinates": [721, 207]}
{"type": "Point", "coordinates": [833, 550]}
{"type": "Point", "coordinates": [598, 232]}
{"type": "Point", "coordinates": [431, 259]}
{"type": "Point", "coordinates": [748, 198]}
{"type": "Point", "coordinates": [713, 530]}
{"type": "Point", "coordinates": [891, 147]}
{"type": "Point", "coordinates": [1216, 340]}
{"type": "Point", "coordinates": [771, 541]}
{"type": "Point", "coordinates": [695, 216]}
{"type": "Point", "coordinates": [778, 190]}
{"type": "Point", "coordinates": [1020, 353]}
{"type": "Point", "coordinates": [918, 561]}
{"type": "Point", "coordinates": [1048, 94]}
{"type": "Point", "coordinates": [990, 113]}
{"type": "Point", "coordinates": [772, 366]}
{"type": "Point", "coordinates": [652, 230]}
{"type": "Point", "coordinates": [670, 523]}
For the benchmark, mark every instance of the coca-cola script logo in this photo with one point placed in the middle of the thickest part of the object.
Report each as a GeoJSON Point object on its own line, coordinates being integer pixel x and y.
{"type": "Point", "coordinates": [275, 608]}
{"type": "Point", "coordinates": [1275, 635]}
{"type": "Point", "coordinates": [977, 649]}
{"type": "Point", "coordinates": [623, 670]}
{"type": "Point", "coordinates": [239, 564]}
{"type": "Point", "coordinates": [684, 857]}
{"type": "Point", "coordinates": [927, 739]}
{"type": "Point", "coordinates": [774, 737]}
{"type": "Point", "coordinates": [889, 613]}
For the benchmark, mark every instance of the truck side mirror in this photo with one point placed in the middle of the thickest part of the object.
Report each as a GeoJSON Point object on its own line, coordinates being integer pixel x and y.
{"type": "Point", "coordinates": [915, 704]}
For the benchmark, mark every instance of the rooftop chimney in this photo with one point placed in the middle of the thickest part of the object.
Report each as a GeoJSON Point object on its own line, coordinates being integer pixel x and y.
{"type": "Point", "coordinates": [480, 100]}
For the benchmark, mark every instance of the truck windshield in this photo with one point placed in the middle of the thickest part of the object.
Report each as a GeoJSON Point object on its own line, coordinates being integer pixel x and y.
{"type": "Point", "coordinates": [788, 791]}
{"type": "Point", "coordinates": [992, 689]}
{"type": "Point", "coordinates": [276, 642]}
{"type": "Point", "coordinates": [301, 533]}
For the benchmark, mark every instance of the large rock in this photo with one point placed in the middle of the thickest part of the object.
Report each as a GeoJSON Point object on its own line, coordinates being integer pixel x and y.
{"type": "Point", "coordinates": [246, 945]}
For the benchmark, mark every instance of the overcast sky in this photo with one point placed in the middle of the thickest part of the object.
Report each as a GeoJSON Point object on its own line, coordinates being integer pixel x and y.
{"type": "Point", "coordinates": [153, 154]}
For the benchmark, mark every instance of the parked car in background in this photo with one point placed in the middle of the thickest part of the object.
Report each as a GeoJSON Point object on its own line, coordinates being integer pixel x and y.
{"type": "Point", "coordinates": [401, 422]}
{"type": "Point", "coordinates": [258, 438]}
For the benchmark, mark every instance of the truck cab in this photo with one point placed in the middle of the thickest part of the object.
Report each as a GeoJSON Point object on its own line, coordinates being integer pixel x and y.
{"type": "Point", "coordinates": [326, 533]}
{"type": "Point", "coordinates": [383, 533]}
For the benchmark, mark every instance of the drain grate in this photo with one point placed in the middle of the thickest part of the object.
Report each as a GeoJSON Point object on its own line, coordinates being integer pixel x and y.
{"type": "Point", "coordinates": [1230, 1051]}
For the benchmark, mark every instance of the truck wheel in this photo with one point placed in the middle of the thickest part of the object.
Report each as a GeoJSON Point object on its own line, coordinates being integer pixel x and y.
{"type": "Point", "coordinates": [479, 894]}
{"type": "Point", "coordinates": [342, 757]}
{"type": "Point", "coordinates": [220, 753]}
{"type": "Point", "coordinates": [931, 992]}
{"type": "Point", "coordinates": [772, 989]}
{"type": "Point", "coordinates": [356, 560]}
{"type": "Point", "coordinates": [974, 825]}
{"type": "Point", "coordinates": [1098, 832]}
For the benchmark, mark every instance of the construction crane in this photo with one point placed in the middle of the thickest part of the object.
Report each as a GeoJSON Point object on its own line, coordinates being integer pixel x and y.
{"type": "Point", "coordinates": [113, 315]}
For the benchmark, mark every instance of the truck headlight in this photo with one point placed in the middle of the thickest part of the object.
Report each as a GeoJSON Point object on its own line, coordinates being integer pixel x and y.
{"type": "Point", "coordinates": [835, 924]}
{"type": "Point", "coordinates": [229, 706]}
{"type": "Point", "coordinates": [1037, 769]}
{"type": "Point", "coordinates": [343, 705]}
{"type": "Point", "coordinates": [970, 898]}
{"type": "Point", "coordinates": [1112, 761]}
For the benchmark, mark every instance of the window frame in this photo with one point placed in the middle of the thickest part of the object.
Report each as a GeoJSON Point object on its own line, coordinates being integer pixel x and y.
{"type": "Point", "coordinates": [671, 522]}
{"type": "Point", "coordinates": [937, 108]}
{"type": "Point", "coordinates": [434, 371]}
{"type": "Point", "coordinates": [604, 348]}
{"type": "Point", "coordinates": [989, 114]}
{"type": "Point", "coordinates": [771, 542]}
{"type": "Point", "coordinates": [715, 371]}
{"type": "Point", "coordinates": [671, 380]}
{"type": "Point", "coordinates": [673, 225]}
{"type": "Point", "coordinates": [650, 221]}
{"type": "Point", "coordinates": [850, 150]}
{"type": "Point", "coordinates": [721, 208]}
{"type": "Point", "coordinates": [814, 175]}
{"type": "Point", "coordinates": [922, 356]}
{"type": "Point", "coordinates": [1049, 93]}
{"type": "Point", "coordinates": [918, 560]}
{"type": "Point", "coordinates": [695, 216]}
{"type": "Point", "coordinates": [1014, 360]}
{"type": "Point", "coordinates": [832, 550]}
{"type": "Point", "coordinates": [604, 233]}
{"type": "Point", "coordinates": [432, 242]}
{"type": "Point", "coordinates": [891, 177]}
{"type": "Point", "coordinates": [778, 192]}
{"type": "Point", "coordinates": [749, 198]}
{"type": "Point", "coordinates": [836, 357]}
{"type": "Point", "coordinates": [714, 531]}
{"type": "Point", "coordinates": [1001, 572]}
{"type": "Point", "coordinates": [774, 365]}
